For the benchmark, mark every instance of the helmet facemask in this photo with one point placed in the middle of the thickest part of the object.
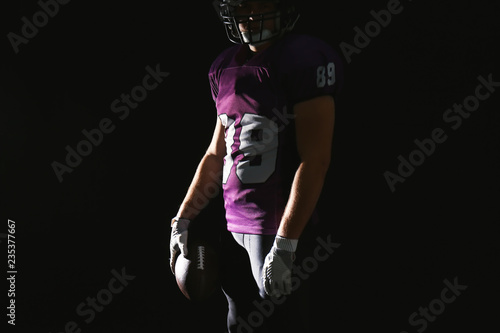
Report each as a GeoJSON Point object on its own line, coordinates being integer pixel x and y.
{"type": "Point", "coordinates": [254, 31]}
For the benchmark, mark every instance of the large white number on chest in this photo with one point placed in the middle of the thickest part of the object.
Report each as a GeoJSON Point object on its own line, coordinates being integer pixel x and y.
{"type": "Point", "coordinates": [258, 144]}
{"type": "Point", "coordinates": [228, 160]}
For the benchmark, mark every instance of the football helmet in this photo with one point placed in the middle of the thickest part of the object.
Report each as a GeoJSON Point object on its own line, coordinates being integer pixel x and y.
{"type": "Point", "coordinates": [230, 12]}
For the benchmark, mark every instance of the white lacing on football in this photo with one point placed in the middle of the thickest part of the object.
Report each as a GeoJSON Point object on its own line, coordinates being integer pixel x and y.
{"type": "Point", "coordinates": [201, 257]}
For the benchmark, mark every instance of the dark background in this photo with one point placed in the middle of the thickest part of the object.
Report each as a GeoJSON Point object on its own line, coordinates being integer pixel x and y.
{"type": "Point", "coordinates": [113, 210]}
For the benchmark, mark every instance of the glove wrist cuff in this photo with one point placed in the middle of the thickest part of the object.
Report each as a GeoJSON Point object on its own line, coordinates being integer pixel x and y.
{"type": "Point", "coordinates": [287, 244]}
{"type": "Point", "coordinates": [181, 221]}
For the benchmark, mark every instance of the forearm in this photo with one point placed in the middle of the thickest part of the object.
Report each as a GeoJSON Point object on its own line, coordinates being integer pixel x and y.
{"type": "Point", "coordinates": [204, 186]}
{"type": "Point", "coordinates": [304, 195]}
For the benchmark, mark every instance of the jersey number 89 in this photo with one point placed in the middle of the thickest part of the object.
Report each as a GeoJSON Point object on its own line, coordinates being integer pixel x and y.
{"type": "Point", "coordinates": [326, 75]}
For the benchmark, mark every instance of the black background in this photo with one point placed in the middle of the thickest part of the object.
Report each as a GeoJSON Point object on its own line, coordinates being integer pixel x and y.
{"type": "Point", "coordinates": [113, 210]}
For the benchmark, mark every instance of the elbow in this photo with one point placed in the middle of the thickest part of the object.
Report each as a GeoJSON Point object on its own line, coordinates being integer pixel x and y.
{"type": "Point", "coordinates": [324, 166]}
{"type": "Point", "coordinates": [319, 165]}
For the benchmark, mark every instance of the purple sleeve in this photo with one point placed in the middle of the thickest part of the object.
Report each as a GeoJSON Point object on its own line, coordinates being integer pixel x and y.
{"type": "Point", "coordinates": [312, 68]}
{"type": "Point", "coordinates": [215, 70]}
{"type": "Point", "coordinates": [213, 77]}
{"type": "Point", "coordinates": [214, 85]}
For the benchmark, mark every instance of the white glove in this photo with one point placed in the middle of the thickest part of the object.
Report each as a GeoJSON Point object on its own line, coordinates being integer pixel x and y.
{"type": "Point", "coordinates": [178, 239]}
{"type": "Point", "coordinates": [277, 271]}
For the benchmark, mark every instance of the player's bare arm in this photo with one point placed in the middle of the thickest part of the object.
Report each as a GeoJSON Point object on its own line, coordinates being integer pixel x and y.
{"type": "Point", "coordinates": [207, 174]}
{"type": "Point", "coordinates": [314, 121]}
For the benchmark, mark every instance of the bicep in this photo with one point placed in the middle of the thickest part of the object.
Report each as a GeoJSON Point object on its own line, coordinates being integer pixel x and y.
{"type": "Point", "coordinates": [314, 123]}
{"type": "Point", "coordinates": [217, 146]}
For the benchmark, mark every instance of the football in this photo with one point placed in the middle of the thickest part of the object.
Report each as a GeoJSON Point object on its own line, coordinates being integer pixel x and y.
{"type": "Point", "coordinates": [197, 275]}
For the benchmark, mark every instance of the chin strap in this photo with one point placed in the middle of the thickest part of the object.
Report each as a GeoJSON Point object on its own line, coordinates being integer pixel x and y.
{"type": "Point", "coordinates": [265, 35]}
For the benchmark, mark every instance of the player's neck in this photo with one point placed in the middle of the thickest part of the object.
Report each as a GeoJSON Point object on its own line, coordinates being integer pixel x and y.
{"type": "Point", "coordinates": [256, 49]}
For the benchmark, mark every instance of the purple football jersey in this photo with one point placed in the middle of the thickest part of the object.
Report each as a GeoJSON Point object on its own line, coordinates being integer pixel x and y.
{"type": "Point", "coordinates": [254, 99]}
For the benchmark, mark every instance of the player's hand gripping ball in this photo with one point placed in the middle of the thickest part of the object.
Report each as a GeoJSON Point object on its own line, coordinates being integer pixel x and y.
{"type": "Point", "coordinates": [178, 239]}
{"type": "Point", "coordinates": [194, 263]}
{"type": "Point", "coordinates": [197, 273]}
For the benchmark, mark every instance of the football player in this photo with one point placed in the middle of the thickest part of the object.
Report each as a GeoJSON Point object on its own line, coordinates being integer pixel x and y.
{"type": "Point", "coordinates": [274, 94]}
